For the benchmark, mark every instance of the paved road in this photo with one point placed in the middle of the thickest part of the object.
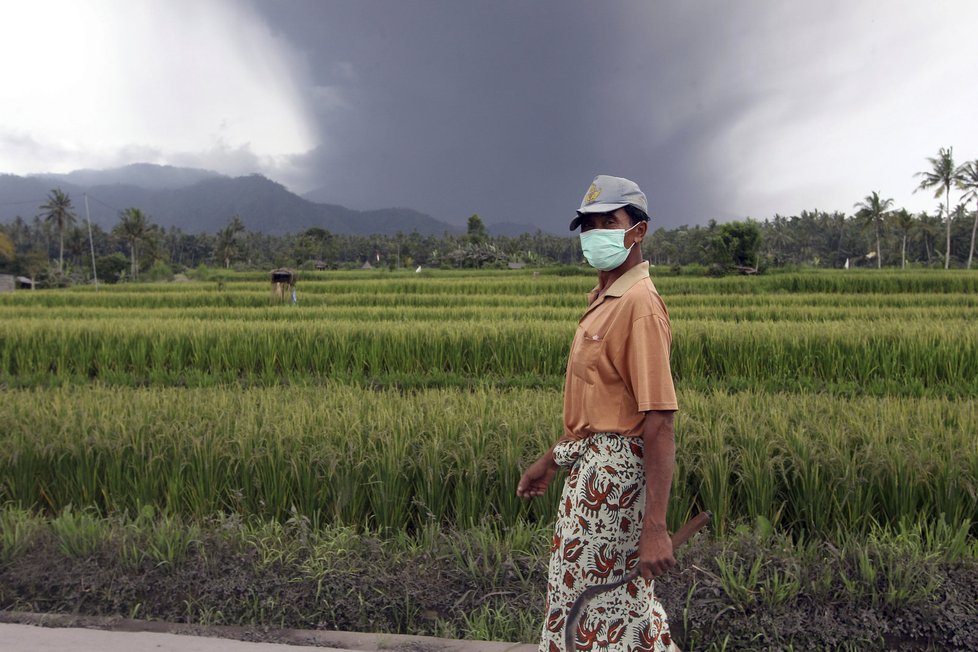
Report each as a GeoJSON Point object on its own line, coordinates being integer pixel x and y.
{"type": "Point", "coordinates": [31, 638]}
{"type": "Point", "coordinates": [17, 637]}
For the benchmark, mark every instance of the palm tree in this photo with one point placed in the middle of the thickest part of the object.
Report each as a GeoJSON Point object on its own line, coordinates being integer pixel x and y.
{"type": "Point", "coordinates": [968, 181]}
{"type": "Point", "coordinates": [904, 223]}
{"type": "Point", "coordinates": [58, 212]}
{"type": "Point", "coordinates": [929, 229]}
{"type": "Point", "coordinates": [227, 242]}
{"type": "Point", "coordinates": [941, 176]}
{"type": "Point", "coordinates": [133, 227]}
{"type": "Point", "coordinates": [76, 243]}
{"type": "Point", "coordinates": [873, 211]}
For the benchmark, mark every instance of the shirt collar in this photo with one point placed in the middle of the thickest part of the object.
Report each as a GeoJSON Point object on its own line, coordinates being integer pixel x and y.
{"type": "Point", "coordinates": [623, 284]}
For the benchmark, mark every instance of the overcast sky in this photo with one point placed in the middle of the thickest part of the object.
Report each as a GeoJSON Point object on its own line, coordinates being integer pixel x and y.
{"type": "Point", "coordinates": [505, 108]}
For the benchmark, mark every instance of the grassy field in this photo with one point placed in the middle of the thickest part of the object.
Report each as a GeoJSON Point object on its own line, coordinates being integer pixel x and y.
{"type": "Point", "coordinates": [827, 419]}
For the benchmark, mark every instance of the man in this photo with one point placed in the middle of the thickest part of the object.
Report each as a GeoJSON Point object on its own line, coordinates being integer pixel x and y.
{"type": "Point", "coordinates": [618, 441]}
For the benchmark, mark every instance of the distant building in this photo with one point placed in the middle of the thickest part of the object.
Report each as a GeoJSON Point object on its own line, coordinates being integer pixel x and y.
{"type": "Point", "coordinates": [9, 283]}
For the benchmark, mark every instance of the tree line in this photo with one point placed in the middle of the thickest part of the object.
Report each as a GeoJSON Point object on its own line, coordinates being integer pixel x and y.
{"type": "Point", "coordinates": [57, 250]}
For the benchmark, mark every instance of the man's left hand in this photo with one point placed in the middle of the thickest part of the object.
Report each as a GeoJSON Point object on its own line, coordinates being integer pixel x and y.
{"type": "Point", "coordinates": [654, 552]}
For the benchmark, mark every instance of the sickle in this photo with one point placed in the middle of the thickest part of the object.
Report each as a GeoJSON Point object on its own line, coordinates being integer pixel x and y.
{"type": "Point", "coordinates": [681, 536]}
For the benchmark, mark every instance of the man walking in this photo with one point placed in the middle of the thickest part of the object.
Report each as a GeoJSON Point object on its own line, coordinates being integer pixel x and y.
{"type": "Point", "coordinates": [618, 441]}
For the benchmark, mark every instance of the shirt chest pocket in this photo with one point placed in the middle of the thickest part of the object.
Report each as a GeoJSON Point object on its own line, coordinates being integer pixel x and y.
{"type": "Point", "coordinates": [586, 358]}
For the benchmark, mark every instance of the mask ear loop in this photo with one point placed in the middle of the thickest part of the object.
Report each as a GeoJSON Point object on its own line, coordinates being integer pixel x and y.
{"type": "Point", "coordinates": [626, 231]}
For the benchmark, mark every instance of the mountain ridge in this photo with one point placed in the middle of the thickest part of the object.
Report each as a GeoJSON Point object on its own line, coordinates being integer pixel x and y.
{"type": "Point", "coordinates": [202, 201]}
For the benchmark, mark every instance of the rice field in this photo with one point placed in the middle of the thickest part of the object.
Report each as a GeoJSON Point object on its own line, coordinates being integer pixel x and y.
{"type": "Point", "coordinates": [340, 455]}
{"type": "Point", "coordinates": [827, 419]}
{"type": "Point", "coordinates": [829, 405]}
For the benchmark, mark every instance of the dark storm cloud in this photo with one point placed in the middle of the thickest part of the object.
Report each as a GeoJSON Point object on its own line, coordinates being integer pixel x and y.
{"type": "Point", "coordinates": [507, 109]}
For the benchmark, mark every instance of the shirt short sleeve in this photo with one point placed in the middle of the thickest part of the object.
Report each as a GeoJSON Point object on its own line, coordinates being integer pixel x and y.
{"type": "Point", "coordinates": [644, 364]}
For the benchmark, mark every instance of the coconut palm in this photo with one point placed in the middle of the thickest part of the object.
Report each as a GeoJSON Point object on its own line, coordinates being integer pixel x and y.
{"type": "Point", "coordinates": [968, 182]}
{"type": "Point", "coordinates": [941, 176]}
{"type": "Point", "coordinates": [133, 227]}
{"type": "Point", "coordinates": [904, 223]}
{"type": "Point", "coordinates": [76, 243]}
{"type": "Point", "coordinates": [873, 211]}
{"type": "Point", "coordinates": [58, 212]}
{"type": "Point", "coordinates": [227, 240]}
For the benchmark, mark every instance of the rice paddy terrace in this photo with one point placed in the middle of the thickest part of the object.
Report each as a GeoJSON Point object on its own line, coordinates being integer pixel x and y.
{"type": "Point", "coordinates": [819, 412]}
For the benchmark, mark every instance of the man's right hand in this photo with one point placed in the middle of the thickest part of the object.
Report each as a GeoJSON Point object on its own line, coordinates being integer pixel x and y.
{"type": "Point", "coordinates": [538, 477]}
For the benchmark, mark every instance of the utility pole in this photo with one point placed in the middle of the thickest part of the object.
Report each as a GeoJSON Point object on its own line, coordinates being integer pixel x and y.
{"type": "Point", "coordinates": [91, 243]}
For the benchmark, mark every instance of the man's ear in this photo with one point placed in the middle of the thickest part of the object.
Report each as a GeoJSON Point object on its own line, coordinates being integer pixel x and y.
{"type": "Point", "coordinates": [640, 230]}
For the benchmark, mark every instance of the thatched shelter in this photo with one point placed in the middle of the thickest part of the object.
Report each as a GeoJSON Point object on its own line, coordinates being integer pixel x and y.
{"type": "Point", "coordinates": [283, 285]}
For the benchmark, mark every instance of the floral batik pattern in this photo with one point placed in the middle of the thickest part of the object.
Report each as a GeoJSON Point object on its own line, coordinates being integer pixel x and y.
{"type": "Point", "coordinates": [596, 542]}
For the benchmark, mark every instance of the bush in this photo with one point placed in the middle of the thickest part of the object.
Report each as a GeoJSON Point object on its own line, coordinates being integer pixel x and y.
{"type": "Point", "coordinates": [50, 277]}
{"type": "Point", "coordinates": [159, 271]}
{"type": "Point", "coordinates": [111, 268]}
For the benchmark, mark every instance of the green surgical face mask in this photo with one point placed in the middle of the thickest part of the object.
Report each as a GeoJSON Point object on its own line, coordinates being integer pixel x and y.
{"type": "Point", "coordinates": [605, 249]}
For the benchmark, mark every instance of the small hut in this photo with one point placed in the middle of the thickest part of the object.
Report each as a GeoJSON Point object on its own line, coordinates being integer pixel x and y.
{"type": "Point", "coordinates": [283, 285]}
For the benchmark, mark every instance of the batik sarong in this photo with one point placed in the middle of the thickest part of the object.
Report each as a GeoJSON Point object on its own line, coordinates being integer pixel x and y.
{"type": "Point", "coordinates": [596, 542]}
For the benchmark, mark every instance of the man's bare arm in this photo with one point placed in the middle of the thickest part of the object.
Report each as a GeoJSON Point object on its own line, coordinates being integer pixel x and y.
{"type": "Point", "coordinates": [655, 547]}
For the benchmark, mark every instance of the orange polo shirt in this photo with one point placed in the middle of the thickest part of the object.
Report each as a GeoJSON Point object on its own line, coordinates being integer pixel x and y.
{"type": "Point", "coordinates": [618, 367]}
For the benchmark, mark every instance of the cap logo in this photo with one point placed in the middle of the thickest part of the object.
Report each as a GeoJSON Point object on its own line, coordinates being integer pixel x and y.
{"type": "Point", "coordinates": [592, 194]}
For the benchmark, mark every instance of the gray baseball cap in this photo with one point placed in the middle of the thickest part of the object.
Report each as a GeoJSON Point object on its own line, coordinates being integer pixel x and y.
{"type": "Point", "coordinates": [607, 194]}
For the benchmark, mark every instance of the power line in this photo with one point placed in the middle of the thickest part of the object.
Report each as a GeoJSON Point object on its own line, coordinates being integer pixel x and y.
{"type": "Point", "coordinates": [96, 199]}
{"type": "Point", "coordinates": [36, 202]}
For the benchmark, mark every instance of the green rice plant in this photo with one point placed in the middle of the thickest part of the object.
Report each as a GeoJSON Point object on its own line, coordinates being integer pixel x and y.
{"type": "Point", "coordinates": [18, 530]}
{"type": "Point", "coordinates": [500, 623]}
{"type": "Point", "coordinates": [712, 466]}
{"type": "Point", "coordinates": [907, 574]}
{"type": "Point", "coordinates": [78, 533]}
{"type": "Point", "coordinates": [199, 614]}
{"type": "Point", "coordinates": [780, 585]}
{"type": "Point", "coordinates": [332, 548]}
{"type": "Point", "coordinates": [936, 538]}
{"type": "Point", "coordinates": [436, 475]}
{"type": "Point", "coordinates": [472, 456]}
{"type": "Point", "coordinates": [484, 552]}
{"type": "Point", "coordinates": [169, 540]}
{"type": "Point", "coordinates": [391, 480]}
{"type": "Point", "coordinates": [339, 455]}
{"type": "Point", "coordinates": [929, 350]}
{"type": "Point", "coordinates": [756, 464]}
{"type": "Point", "coordinates": [809, 486]}
{"type": "Point", "coordinates": [274, 542]}
{"type": "Point", "coordinates": [162, 541]}
{"type": "Point", "coordinates": [740, 579]}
